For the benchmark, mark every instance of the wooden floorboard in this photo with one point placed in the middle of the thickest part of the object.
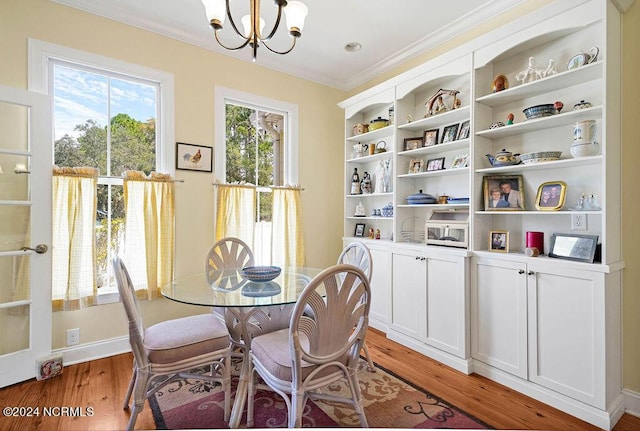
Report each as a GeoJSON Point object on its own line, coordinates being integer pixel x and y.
{"type": "Point", "coordinates": [101, 386]}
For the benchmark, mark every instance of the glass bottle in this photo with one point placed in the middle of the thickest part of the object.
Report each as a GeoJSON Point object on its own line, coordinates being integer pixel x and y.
{"type": "Point", "coordinates": [355, 182]}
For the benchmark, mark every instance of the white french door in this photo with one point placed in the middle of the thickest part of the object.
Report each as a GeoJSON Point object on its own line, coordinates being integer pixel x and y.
{"type": "Point", "coordinates": [25, 232]}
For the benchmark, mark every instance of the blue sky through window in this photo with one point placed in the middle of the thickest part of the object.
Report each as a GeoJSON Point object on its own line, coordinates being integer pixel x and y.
{"type": "Point", "coordinates": [80, 95]}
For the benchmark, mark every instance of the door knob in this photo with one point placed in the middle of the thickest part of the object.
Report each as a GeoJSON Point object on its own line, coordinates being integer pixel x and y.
{"type": "Point", "coordinates": [40, 248]}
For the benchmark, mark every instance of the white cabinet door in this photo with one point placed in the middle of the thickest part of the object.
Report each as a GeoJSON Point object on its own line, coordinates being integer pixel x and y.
{"type": "Point", "coordinates": [566, 332]}
{"type": "Point", "coordinates": [409, 295]}
{"type": "Point", "coordinates": [446, 304]}
{"type": "Point", "coordinates": [499, 314]}
{"type": "Point", "coordinates": [380, 312]}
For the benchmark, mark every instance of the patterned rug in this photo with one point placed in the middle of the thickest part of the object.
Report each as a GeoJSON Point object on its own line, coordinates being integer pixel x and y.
{"type": "Point", "coordinates": [390, 402]}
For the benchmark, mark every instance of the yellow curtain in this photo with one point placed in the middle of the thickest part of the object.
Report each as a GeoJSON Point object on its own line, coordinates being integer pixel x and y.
{"type": "Point", "coordinates": [74, 238]}
{"type": "Point", "coordinates": [288, 244]}
{"type": "Point", "coordinates": [149, 231]}
{"type": "Point", "coordinates": [236, 212]}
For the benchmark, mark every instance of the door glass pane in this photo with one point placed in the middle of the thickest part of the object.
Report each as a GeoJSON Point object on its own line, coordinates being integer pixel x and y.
{"type": "Point", "coordinates": [14, 123]}
{"type": "Point", "coordinates": [14, 278]}
{"type": "Point", "coordinates": [14, 226]}
{"type": "Point", "coordinates": [14, 181]}
{"type": "Point", "coordinates": [14, 329]}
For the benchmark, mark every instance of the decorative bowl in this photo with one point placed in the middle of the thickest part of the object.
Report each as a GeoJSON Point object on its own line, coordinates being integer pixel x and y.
{"type": "Point", "coordinates": [261, 273]}
{"type": "Point", "coordinates": [538, 111]}
{"type": "Point", "coordinates": [540, 156]}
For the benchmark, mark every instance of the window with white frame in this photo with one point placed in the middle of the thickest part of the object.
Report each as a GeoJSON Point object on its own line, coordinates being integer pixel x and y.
{"type": "Point", "coordinates": [109, 115]}
{"type": "Point", "coordinates": [259, 136]}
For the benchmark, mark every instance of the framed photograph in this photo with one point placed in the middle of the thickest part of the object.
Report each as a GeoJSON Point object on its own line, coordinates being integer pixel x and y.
{"type": "Point", "coordinates": [430, 137]}
{"type": "Point", "coordinates": [574, 247]}
{"type": "Point", "coordinates": [463, 133]}
{"type": "Point", "coordinates": [461, 161]}
{"type": "Point", "coordinates": [435, 164]}
{"type": "Point", "coordinates": [359, 230]}
{"type": "Point", "coordinates": [499, 241]}
{"type": "Point", "coordinates": [412, 143]}
{"type": "Point", "coordinates": [551, 195]}
{"type": "Point", "coordinates": [450, 133]}
{"type": "Point", "coordinates": [503, 193]}
{"type": "Point", "coordinates": [191, 157]}
{"type": "Point", "coordinates": [416, 166]}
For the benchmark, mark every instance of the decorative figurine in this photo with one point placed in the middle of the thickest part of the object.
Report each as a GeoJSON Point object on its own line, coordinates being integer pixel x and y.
{"type": "Point", "coordinates": [500, 82]}
{"type": "Point", "coordinates": [510, 118]}
{"type": "Point", "coordinates": [365, 185]}
{"type": "Point", "coordinates": [530, 74]}
{"type": "Point", "coordinates": [550, 70]}
{"type": "Point", "coordinates": [371, 233]}
{"type": "Point", "coordinates": [439, 102]}
{"type": "Point", "coordinates": [377, 233]}
{"type": "Point", "coordinates": [359, 211]}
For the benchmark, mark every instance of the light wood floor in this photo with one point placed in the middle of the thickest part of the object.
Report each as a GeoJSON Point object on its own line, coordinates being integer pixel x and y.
{"type": "Point", "coordinates": [101, 384]}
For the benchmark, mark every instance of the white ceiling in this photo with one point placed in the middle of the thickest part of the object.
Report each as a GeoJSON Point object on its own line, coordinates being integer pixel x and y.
{"type": "Point", "coordinates": [390, 31]}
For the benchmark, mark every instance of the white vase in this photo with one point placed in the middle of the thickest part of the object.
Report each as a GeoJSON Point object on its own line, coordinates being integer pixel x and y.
{"type": "Point", "coordinates": [583, 148]}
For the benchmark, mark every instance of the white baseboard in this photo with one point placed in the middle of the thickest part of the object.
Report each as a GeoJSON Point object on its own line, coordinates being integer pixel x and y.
{"type": "Point", "coordinates": [631, 402]}
{"type": "Point", "coordinates": [600, 418]}
{"type": "Point", "coordinates": [92, 351]}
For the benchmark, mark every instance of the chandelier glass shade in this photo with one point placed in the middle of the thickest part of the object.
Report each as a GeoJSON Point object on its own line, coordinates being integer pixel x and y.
{"type": "Point", "coordinates": [252, 33]}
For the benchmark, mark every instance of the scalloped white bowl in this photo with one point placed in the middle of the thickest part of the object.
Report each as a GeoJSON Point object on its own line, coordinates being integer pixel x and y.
{"type": "Point", "coordinates": [540, 156]}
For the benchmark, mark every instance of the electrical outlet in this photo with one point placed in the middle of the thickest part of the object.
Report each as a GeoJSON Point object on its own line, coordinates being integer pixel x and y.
{"type": "Point", "coordinates": [579, 222]}
{"type": "Point", "coordinates": [73, 336]}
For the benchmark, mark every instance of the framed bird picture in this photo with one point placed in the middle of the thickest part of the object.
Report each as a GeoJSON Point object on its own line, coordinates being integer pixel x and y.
{"type": "Point", "coordinates": [191, 157]}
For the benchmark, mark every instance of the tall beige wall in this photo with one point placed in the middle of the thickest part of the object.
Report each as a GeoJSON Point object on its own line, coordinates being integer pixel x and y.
{"type": "Point", "coordinates": [196, 72]}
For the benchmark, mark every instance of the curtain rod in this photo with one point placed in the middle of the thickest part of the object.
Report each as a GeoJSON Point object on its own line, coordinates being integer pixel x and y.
{"type": "Point", "coordinates": [149, 179]}
{"type": "Point", "coordinates": [252, 186]}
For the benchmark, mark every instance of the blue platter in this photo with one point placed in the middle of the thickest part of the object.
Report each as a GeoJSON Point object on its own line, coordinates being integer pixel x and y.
{"type": "Point", "coordinates": [260, 273]}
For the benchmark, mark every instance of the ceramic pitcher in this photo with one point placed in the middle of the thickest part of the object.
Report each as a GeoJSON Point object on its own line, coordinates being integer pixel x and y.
{"type": "Point", "coordinates": [584, 131]}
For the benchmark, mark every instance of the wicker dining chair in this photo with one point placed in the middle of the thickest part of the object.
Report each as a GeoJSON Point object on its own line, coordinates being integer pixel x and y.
{"type": "Point", "coordinates": [172, 349]}
{"type": "Point", "coordinates": [358, 254]}
{"type": "Point", "coordinates": [319, 347]}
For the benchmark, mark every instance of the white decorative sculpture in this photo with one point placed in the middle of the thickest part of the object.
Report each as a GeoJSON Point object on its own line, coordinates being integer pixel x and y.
{"type": "Point", "coordinates": [530, 74]}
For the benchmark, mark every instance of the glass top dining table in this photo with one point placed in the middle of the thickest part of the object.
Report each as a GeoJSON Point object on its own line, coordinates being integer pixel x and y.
{"type": "Point", "coordinates": [229, 288]}
{"type": "Point", "coordinates": [242, 300]}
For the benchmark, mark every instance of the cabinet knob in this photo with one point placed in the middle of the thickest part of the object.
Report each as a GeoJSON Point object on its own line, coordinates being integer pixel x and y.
{"type": "Point", "coordinates": [521, 271]}
{"type": "Point", "coordinates": [423, 258]}
{"type": "Point", "coordinates": [417, 257]}
{"type": "Point", "coordinates": [530, 273]}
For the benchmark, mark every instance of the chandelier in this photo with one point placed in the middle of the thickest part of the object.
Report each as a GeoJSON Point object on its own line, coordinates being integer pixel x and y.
{"type": "Point", "coordinates": [253, 24]}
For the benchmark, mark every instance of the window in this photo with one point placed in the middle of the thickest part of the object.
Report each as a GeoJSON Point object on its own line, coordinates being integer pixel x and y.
{"type": "Point", "coordinates": [109, 115]}
{"type": "Point", "coordinates": [259, 137]}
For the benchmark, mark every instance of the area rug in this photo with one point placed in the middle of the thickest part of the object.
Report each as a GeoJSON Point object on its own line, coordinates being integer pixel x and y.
{"type": "Point", "coordinates": [390, 402]}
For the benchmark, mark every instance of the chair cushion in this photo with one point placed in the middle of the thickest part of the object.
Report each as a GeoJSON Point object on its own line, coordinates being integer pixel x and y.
{"type": "Point", "coordinates": [187, 337]}
{"type": "Point", "coordinates": [272, 350]}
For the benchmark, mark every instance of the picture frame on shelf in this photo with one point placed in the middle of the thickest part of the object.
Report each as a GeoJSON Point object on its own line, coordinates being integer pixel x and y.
{"type": "Point", "coordinates": [463, 133]}
{"type": "Point", "coordinates": [412, 143]}
{"type": "Point", "coordinates": [578, 247]}
{"type": "Point", "coordinates": [503, 192]}
{"type": "Point", "coordinates": [190, 157]}
{"type": "Point", "coordinates": [551, 195]}
{"type": "Point", "coordinates": [460, 161]}
{"type": "Point", "coordinates": [416, 166]}
{"type": "Point", "coordinates": [450, 133]}
{"type": "Point", "coordinates": [359, 232]}
{"type": "Point", "coordinates": [436, 164]}
{"type": "Point", "coordinates": [499, 241]}
{"type": "Point", "coordinates": [430, 137]}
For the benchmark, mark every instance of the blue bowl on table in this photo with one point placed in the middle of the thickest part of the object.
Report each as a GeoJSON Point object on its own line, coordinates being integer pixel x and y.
{"type": "Point", "coordinates": [260, 273]}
